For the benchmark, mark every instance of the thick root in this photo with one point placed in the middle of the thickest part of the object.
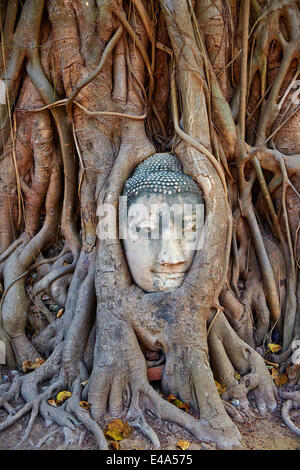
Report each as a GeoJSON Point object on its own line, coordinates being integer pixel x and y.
{"type": "Point", "coordinates": [292, 402]}
{"type": "Point", "coordinates": [119, 384]}
{"type": "Point", "coordinates": [230, 355]}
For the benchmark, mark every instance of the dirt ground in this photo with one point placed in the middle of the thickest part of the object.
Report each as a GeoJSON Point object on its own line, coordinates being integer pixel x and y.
{"type": "Point", "coordinates": [258, 433]}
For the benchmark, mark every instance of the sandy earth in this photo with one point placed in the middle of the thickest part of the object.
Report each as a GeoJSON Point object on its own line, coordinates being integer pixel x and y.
{"type": "Point", "coordinates": [268, 433]}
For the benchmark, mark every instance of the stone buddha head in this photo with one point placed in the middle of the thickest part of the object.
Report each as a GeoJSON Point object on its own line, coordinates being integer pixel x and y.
{"type": "Point", "coordinates": [162, 212]}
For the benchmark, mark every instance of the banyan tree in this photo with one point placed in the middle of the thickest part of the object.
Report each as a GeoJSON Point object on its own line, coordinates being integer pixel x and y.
{"type": "Point", "coordinates": [196, 100]}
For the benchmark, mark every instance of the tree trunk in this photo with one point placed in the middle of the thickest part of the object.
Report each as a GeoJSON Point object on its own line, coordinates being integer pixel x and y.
{"type": "Point", "coordinates": [90, 89]}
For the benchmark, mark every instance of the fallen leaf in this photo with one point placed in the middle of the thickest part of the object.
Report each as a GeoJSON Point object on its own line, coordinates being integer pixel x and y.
{"type": "Point", "coordinates": [183, 445]}
{"type": "Point", "coordinates": [60, 313]}
{"type": "Point", "coordinates": [237, 376]}
{"type": "Point", "coordinates": [279, 379]}
{"type": "Point", "coordinates": [63, 396]}
{"type": "Point", "coordinates": [84, 383]}
{"type": "Point", "coordinates": [85, 405]}
{"type": "Point", "coordinates": [115, 445]}
{"type": "Point", "coordinates": [52, 402]}
{"type": "Point", "coordinates": [115, 434]}
{"type": "Point", "coordinates": [118, 430]}
{"type": "Point", "coordinates": [38, 362]}
{"type": "Point", "coordinates": [28, 366]}
{"type": "Point", "coordinates": [178, 403]}
{"type": "Point", "coordinates": [221, 388]}
{"type": "Point", "coordinates": [274, 347]}
{"type": "Point", "coordinates": [171, 397]}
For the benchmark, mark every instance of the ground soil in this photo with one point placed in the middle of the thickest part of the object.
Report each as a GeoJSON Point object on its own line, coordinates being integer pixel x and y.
{"type": "Point", "coordinates": [258, 433]}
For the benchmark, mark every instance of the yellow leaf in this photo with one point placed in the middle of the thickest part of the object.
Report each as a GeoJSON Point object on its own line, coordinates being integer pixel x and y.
{"type": "Point", "coordinates": [84, 383]}
{"type": "Point", "coordinates": [60, 313]}
{"type": "Point", "coordinates": [181, 405]}
{"type": "Point", "coordinates": [115, 435]}
{"type": "Point", "coordinates": [237, 376]}
{"type": "Point", "coordinates": [175, 401]}
{"type": "Point", "coordinates": [279, 379]}
{"type": "Point", "coordinates": [183, 445]}
{"type": "Point", "coordinates": [85, 405]}
{"type": "Point", "coordinates": [274, 347]}
{"type": "Point", "coordinates": [221, 388]}
{"type": "Point", "coordinates": [52, 402]}
{"type": "Point", "coordinates": [118, 430]}
{"type": "Point", "coordinates": [62, 396]}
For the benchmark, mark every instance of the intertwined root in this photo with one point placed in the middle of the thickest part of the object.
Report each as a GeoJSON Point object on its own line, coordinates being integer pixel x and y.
{"type": "Point", "coordinates": [229, 355]}
{"type": "Point", "coordinates": [292, 403]}
{"type": "Point", "coordinates": [119, 384]}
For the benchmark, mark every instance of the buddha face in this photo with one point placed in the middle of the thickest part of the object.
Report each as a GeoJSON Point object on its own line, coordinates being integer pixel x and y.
{"type": "Point", "coordinates": [162, 236]}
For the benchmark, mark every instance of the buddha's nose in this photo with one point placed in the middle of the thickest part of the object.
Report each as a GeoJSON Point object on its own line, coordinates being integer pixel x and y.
{"type": "Point", "coordinates": [170, 253]}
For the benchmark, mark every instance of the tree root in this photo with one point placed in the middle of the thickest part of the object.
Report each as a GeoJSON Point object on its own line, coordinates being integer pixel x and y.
{"type": "Point", "coordinates": [292, 402]}
{"type": "Point", "coordinates": [34, 413]}
{"type": "Point", "coordinates": [45, 438]}
{"type": "Point", "coordinates": [230, 355]}
{"type": "Point", "coordinates": [120, 383]}
{"type": "Point", "coordinates": [84, 417]}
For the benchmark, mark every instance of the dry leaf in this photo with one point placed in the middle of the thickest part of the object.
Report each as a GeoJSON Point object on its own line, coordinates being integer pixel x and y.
{"type": "Point", "coordinates": [115, 445]}
{"type": "Point", "coordinates": [60, 313]}
{"type": "Point", "coordinates": [84, 383]}
{"type": "Point", "coordinates": [52, 402]}
{"type": "Point", "coordinates": [85, 405]}
{"type": "Point", "coordinates": [279, 379]}
{"type": "Point", "coordinates": [237, 376]}
{"type": "Point", "coordinates": [183, 445]}
{"type": "Point", "coordinates": [274, 347]}
{"type": "Point", "coordinates": [38, 362]}
{"type": "Point", "coordinates": [221, 388]}
{"type": "Point", "coordinates": [178, 403]}
{"type": "Point", "coordinates": [115, 434]}
{"type": "Point", "coordinates": [28, 366]}
{"type": "Point", "coordinates": [171, 397]}
{"type": "Point", "coordinates": [118, 430]}
{"type": "Point", "coordinates": [62, 396]}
